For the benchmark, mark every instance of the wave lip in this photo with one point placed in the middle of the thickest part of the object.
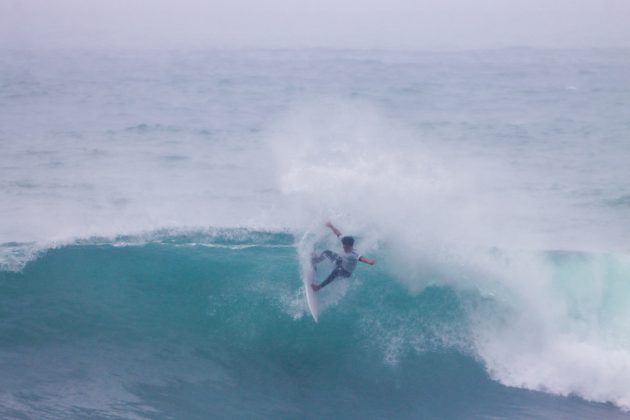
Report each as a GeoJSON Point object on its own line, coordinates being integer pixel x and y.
{"type": "Point", "coordinates": [15, 255]}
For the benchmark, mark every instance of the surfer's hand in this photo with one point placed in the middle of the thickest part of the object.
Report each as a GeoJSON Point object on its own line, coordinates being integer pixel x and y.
{"type": "Point", "coordinates": [367, 260]}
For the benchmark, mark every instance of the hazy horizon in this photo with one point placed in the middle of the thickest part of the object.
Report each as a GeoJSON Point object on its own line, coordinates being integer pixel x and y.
{"type": "Point", "coordinates": [375, 24]}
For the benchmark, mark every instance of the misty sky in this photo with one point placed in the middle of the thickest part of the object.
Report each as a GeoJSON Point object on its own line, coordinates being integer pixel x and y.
{"type": "Point", "coordinates": [389, 24]}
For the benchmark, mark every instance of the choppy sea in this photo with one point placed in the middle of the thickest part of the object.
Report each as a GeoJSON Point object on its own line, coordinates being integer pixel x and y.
{"type": "Point", "coordinates": [152, 202]}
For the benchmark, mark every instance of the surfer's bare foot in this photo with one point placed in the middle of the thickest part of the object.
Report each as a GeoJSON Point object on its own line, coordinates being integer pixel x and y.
{"type": "Point", "coordinates": [315, 287]}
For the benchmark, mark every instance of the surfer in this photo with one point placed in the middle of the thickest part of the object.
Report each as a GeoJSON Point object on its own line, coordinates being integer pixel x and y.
{"type": "Point", "coordinates": [344, 263]}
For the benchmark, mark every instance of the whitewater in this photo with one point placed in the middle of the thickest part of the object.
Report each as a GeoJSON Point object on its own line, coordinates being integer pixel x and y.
{"type": "Point", "coordinates": [152, 204]}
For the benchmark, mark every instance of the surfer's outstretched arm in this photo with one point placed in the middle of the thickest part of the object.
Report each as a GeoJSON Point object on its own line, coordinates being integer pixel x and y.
{"type": "Point", "coordinates": [333, 228]}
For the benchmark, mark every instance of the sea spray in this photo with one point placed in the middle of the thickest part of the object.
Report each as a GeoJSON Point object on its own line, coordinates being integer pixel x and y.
{"type": "Point", "coordinates": [446, 221]}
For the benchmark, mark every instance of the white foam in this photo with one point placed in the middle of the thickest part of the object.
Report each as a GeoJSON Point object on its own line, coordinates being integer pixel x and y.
{"type": "Point", "coordinates": [444, 216]}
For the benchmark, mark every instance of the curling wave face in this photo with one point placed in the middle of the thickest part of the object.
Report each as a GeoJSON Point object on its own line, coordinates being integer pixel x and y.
{"type": "Point", "coordinates": [134, 327]}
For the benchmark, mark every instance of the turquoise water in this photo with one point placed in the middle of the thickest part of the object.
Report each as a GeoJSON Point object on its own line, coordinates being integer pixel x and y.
{"type": "Point", "coordinates": [181, 329]}
{"type": "Point", "coordinates": [152, 205]}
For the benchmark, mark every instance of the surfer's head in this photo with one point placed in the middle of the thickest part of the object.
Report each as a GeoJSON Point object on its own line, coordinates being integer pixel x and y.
{"type": "Point", "coordinates": [348, 242]}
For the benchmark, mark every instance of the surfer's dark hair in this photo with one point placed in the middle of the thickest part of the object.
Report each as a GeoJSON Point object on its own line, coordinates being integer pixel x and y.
{"type": "Point", "coordinates": [347, 241]}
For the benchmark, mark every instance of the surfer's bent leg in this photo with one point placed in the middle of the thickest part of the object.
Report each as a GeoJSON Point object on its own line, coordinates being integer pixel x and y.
{"type": "Point", "coordinates": [337, 272]}
{"type": "Point", "coordinates": [333, 257]}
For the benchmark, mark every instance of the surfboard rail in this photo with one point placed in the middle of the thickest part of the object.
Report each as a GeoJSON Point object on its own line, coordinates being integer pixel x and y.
{"type": "Point", "coordinates": [305, 250]}
{"type": "Point", "coordinates": [311, 297]}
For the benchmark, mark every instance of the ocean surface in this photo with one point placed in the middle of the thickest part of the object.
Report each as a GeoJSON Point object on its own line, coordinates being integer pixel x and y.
{"type": "Point", "coordinates": [152, 204]}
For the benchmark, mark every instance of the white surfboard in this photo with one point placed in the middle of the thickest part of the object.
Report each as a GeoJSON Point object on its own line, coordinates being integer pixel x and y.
{"type": "Point", "coordinates": [305, 250]}
{"type": "Point", "coordinates": [311, 295]}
